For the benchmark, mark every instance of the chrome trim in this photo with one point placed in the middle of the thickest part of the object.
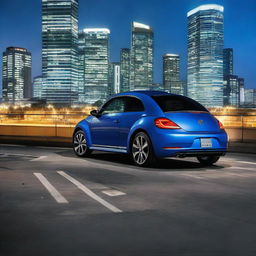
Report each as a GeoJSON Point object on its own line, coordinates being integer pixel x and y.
{"type": "Point", "coordinates": [108, 146]}
{"type": "Point", "coordinates": [109, 149]}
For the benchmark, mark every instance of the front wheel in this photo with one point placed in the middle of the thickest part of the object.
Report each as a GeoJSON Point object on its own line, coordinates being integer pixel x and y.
{"type": "Point", "coordinates": [208, 160]}
{"type": "Point", "coordinates": [80, 146]}
{"type": "Point", "coordinates": [142, 150]}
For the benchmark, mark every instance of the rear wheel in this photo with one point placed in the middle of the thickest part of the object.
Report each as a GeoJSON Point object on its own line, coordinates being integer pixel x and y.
{"type": "Point", "coordinates": [208, 160]}
{"type": "Point", "coordinates": [80, 144]}
{"type": "Point", "coordinates": [141, 150]}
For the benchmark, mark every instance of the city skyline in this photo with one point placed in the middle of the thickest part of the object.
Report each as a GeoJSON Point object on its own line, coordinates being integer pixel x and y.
{"type": "Point", "coordinates": [164, 43]}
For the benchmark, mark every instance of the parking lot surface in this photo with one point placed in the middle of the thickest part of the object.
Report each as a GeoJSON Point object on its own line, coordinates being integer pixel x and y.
{"type": "Point", "coordinates": [54, 203]}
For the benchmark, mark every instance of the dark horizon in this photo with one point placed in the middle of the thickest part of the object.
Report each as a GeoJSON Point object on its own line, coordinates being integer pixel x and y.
{"type": "Point", "coordinates": [22, 28]}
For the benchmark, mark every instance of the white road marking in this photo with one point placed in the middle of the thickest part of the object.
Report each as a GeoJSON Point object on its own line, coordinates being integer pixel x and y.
{"type": "Point", "coordinates": [38, 158]}
{"type": "Point", "coordinates": [52, 190]}
{"type": "Point", "coordinates": [89, 192]}
{"type": "Point", "coordinates": [245, 162]}
{"type": "Point", "coordinates": [193, 176]}
{"type": "Point", "coordinates": [113, 192]}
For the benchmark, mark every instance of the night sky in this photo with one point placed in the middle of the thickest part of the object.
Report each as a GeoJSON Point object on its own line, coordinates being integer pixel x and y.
{"type": "Point", "coordinates": [20, 25]}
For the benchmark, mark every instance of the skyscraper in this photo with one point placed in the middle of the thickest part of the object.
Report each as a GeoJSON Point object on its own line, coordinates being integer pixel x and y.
{"type": "Point", "coordinates": [94, 60]}
{"type": "Point", "coordinates": [125, 69]}
{"type": "Point", "coordinates": [205, 54]}
{"type": "Point", "coordinates": [171, 73]}
{"type": "Point", "coordinates": [231, 90]}
{"type": "Point", "coordinates": [59, 53]}
{"type": "Point", "coordinates": [141, 62]}
{"type": "Point", "coordinates": [37, 87]}
{"type": "Point", "coordinates": [114, 78]}
{"type": "Point", "coordinates": [228, 62]}
{"type": "Point", "coordinates": [16, 74]}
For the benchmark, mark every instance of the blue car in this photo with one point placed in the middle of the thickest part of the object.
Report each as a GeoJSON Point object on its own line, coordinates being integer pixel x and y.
{"type": "Point", "coordinates": [150, 125]}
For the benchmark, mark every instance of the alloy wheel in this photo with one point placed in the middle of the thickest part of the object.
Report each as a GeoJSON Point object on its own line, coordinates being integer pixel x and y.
{"type": "Point", "coordinates": [80, 145]}
{"type": "Point", "coordinates": [140, 149]}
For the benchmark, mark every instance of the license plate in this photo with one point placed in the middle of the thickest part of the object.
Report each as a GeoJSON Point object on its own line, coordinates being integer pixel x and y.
{"type": "Point", "coordinates": [206, 143]}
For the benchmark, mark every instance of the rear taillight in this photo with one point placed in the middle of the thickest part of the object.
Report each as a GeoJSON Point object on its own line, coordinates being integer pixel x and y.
{"type": "Point", "coordinates": [221, 125]}
{"type": "Point", "coordinates": [165, 123]}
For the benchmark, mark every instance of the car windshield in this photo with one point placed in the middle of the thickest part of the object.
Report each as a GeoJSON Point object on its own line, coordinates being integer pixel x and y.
{"type": "Point", "coordinates": [169, 103]}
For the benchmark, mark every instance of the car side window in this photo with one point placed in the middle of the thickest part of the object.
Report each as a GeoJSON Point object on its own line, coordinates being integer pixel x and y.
{"type": "Point", "coordinates": [116, 105]}
{"type": "Point", "coordinates": [133, 104]}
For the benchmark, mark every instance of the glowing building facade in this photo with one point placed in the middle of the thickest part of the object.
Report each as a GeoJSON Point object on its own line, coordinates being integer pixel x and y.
{"type": "Point", "coordinates": [171, 73]}
{"type": "Point", "coordinates": [93, 64]}
{"type": "Point", "coordinates": [37, 87]}
{"type": "Point", "coordinates": [141, 58]}
{"type": "Point", "coordinates": [125, 69]}
{"type": "Point", "coordinates": [59, 52]}
{"type": "Point", "coordinates": [16, 74]}
{"type": "Point", "coordinates": [114, 78]}
{"type": "Point", "coordinates": [205, 54]}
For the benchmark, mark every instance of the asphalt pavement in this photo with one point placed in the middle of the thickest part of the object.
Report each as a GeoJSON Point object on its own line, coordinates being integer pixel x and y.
{"type": "Point", "coordinates": [54, 203]}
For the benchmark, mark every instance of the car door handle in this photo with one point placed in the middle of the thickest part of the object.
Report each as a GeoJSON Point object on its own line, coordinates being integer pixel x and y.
{"type": "Point", "coordinates": [116, 121]}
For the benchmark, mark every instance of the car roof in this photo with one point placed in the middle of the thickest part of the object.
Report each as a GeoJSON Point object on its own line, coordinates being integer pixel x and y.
{"type": "Point", "coordinates": [145, 92]}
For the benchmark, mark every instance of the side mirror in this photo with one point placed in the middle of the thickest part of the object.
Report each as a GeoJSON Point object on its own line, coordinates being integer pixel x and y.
{"type": "Point", "coordinates": [95, 112]}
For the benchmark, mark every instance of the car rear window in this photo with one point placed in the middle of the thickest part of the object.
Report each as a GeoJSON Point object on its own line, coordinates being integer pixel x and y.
{"type": "Point", "coordinates": [170, 103]}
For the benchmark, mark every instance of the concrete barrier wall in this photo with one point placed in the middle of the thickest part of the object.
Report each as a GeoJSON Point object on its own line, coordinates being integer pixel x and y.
{"type": "Point", "coordinates": [66, 131]}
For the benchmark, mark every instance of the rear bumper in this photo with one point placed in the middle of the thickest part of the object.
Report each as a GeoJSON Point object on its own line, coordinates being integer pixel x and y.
{"type": "Point", "coordinates": [181, 143]}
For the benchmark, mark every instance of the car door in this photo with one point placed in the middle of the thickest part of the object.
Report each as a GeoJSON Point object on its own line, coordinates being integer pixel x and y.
{"type": "Point", "coordinates": [105, 128]}
{"type": "Point", "coordinates": [133, 111]}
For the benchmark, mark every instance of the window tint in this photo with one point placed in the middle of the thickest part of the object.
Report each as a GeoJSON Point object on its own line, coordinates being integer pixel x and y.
{"type": "Point", "coordinates": [114, 106]}
{"type": "Point", "coordinates": [133, 105]}
{"type": "Point", "coordinates": [177, 103]}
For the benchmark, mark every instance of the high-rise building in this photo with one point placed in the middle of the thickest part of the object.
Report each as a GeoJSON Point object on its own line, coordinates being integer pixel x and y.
{"type": "Point", "coordinates": [114, 78]}
{"type": "Point", "coordinates": [94, 64]}
{"type": "Point", "coordinates": [141, 62]}
{"type": "Point", "coordinates": [37, 87]}
{"type": "Point", "coordinates": [241, 90]}
{"type": "Point", "coordinates": [231, 90]}
{"type": "Point", "coordinates": [59, 53]}
{"type": "Point", "coordinates": [171, 73]}
{"type": "Point", "coordinates": [250, 97]}
{"type": "Point", "coordinates": [205, 54]}
{"type": "Point", "coordinates": [125, 69]}
{"type": "Point", "coordinates": [16, 74]}
{"type": "Point", "coordinates": [228, 62]}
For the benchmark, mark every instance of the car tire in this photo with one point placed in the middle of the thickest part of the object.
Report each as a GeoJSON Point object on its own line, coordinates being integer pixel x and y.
{"type": "Point", "coordinates": [142, 151]}
{"type": "Point", "coordinates": [208, 160]}
{"type": "Point", "coordinates": [80, 146]}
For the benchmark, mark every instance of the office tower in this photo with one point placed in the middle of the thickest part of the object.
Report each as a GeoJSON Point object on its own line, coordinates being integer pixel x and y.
{"type": "Point", "coordinates": [228, 62]}
{"type": "Point", "coordinates": [250, 97]}
{"type": "Point", "coordinates": [125, 69]}
{"type": "Point", "coordinates": [141, 62]}
{"type": "Point", "coordinates": [205, 54]}
{"type": "Point", "coordinates": [37, 87]}
{"type": "Point", "coordinates": [231, 90]}
{"type": "Point", "coordinates": [59, 53]}
{"type": "Point", "coordinates": [241, 90]}
{"type": "Point", "coordinates": [114, 78]}
{"type": "Point", "coordinates": [94, 64]}
{"type": "Point", "coordinates": [171, 73]}
{"type": "Point", "coordinates": [16, 74]}
{"type": "Point", "coordinates": [184, 87]}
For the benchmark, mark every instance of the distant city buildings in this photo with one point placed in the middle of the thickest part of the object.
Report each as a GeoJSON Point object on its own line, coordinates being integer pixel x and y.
{"type": "Point", "coordinates": [125, 69]}
{"type": "Point", "coordinates": [76, 67]}
{"type": "Point", "coordinates": [171, 73]}
{"type": "Point", "coordinates": [114, 78]}
{"type": "Point", "coordinates": [94, 65]}
{"type": "Point", "coordinates": [37, 87]}
{"type": "Point", "coordinates": [205, 54]}
{"type": "Point", "coordinates": [16, 74]}
{"type": "Point", "coordinates": [228, 62]}
{"type": "Point", "coordinates": [141, 57]}
{"type": "Point", "coordinates": [59, 51]}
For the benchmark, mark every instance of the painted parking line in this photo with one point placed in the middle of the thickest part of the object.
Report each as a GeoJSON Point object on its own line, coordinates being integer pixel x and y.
{"type": "Point", "coordinates": [38, 158]}
{"type": "Point", "coordinates": [113, 192]}
{"type": "Point", "coordinates": [51, 189]}
{"type": "Point", "coordinates": [242, 168]}
{"type": "Point", "coordinates": [88, 192]}
{"type": "Point", "coordinates": [246, 162]}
